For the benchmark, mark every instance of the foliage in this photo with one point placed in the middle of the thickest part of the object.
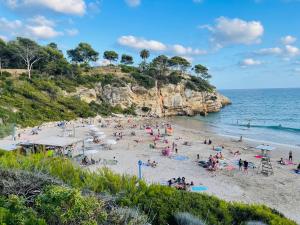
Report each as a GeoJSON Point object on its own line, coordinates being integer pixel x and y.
{"type": "Point", "coordinates": [83, 53]}
{"type": "Point", "coordinates": [198, 84]}
{"type": "Point", "coordinates": [127, 216]}
{"type": "Point", "coordinates": [24, 183]}
{"type": "Point", "coordinates": [110, 56]}
{"type": "Point", "coordinates": [160, 203]}
{"type": "Point", "coordinates": [202, 71]}
{"type": "Point", "coordinates": [14, 212]}
{"type": "Point", "coordinates": [186, 219]}
{"type": "Point", "coordinates": [128, 69]}
{"type": "Point", "coordinates": [179, 63]}
{"type": "Point", "coordinates": [174, 78]}
{"type": "Point", "coordinates": [126, 59]}
{"type": "Point", "coordinates": [144, 54]}
{"type": "Point", "coordinates": [61, 205]}
{"type": "Point", "coordinates": [144, 80]}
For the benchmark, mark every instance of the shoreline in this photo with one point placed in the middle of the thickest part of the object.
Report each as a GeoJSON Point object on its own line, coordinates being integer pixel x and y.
{"type": "Point", "coordinates": [210, 129]}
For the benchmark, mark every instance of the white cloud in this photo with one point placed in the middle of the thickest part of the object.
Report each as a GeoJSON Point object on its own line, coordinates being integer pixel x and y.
{"type": "Point", "coordinates": [153, 45]}
{"type": "Point", "coordinates": [6, 25]}
{"type": "Point", "coordinates": [76, 7]}
{"type": "Point", "coordinates": [287, 40]}
{"type": "Point", "coordinates": [72, 32]}
{"type": "Point", "coordinates": [270, 51]}
{"type": "Point", "coordinates": [181, 50]}
{"type": "Point", "coordinates": [37, 27]}
{"type": "Point", "coordinates": [42, 32]}
{"type": "Point", "coordinates": [198, 1]}
{"type": "Point", "coordinates": [250, 62]}
{"type": "Point", "coordinates": [103, 62]}
{"type": "Point", "coordinates": [228, 31]}
{"type": "Point", "coordinates": [141, 43]}
{"type": "Point", "coordinates": [292, 50]}
{"type": "Point", "coordinates": [133, 3]}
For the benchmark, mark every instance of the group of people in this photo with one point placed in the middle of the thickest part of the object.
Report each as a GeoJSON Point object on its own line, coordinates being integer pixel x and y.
{"type": "Point", "coordinates": [243, 165]}
{"type": "Point", "coordinates": [180, 183]}
{"type": "Point", "coordinates": [209, 142]}
{"type": "Point", "coordinates": [213, 162]}
{"type": "Point", "coordinates": [152, 164]}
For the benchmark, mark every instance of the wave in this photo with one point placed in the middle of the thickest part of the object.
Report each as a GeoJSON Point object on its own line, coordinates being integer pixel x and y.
{"type": "Point", "coordinates": [278, 127]}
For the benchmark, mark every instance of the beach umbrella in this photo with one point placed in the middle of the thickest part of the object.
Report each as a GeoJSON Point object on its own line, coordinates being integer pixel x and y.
{"type": "Point", "coordinates": [111, 142]}
{"type": "Point", "coordinates": [90, 152]}
{"type": "Point", "coordinates": [265, 147]}
{"type": "Point", "coordinates": [218, 149]}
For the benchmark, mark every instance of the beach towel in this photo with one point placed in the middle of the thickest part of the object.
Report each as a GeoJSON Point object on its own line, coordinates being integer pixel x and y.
{"type": "Point", "coordinates": [198, 188]}
{"type": "Point", "coordinates": [288, 162]}
{"type": "Point", "coordinates": [296, 171]}
{"type": "Point", "coordinates": [180, 157]}
{"type": "Point", "coordinates": [258, 156]}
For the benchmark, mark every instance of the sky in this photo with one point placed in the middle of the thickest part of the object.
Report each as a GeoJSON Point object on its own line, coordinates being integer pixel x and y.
{"type": "Point", "coordinates": [244, 43]}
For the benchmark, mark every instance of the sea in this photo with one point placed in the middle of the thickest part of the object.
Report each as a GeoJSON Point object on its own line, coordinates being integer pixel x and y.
{"type": "Point", "coordinates": [271, 115]}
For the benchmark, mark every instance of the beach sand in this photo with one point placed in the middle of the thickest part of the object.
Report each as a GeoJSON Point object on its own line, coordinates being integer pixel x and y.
{"type": "Point", "coordinates": [279, 191]}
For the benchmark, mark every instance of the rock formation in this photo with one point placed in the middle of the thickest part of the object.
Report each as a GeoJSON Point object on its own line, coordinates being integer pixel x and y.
{"type": "Point", "coordinates": [169, 100]}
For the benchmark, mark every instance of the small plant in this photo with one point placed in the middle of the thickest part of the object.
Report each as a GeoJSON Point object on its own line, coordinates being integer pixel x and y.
{"type": "Point", "coordinates": [187, 219]}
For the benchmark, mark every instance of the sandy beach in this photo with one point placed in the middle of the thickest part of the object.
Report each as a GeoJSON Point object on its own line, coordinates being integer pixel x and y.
{"type": "Point", "coordinates": [280, 190]}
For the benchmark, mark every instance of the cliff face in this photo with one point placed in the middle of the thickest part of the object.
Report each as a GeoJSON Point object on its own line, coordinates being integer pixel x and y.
{"type": "Point", "coordinates": [169, 100]}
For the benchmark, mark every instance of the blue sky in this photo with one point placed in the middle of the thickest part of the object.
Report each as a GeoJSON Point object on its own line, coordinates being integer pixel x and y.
{"type": "Point", "coordinates": [244, 43]}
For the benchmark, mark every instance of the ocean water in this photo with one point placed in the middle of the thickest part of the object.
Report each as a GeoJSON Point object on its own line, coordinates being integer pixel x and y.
{"type": "Point", "coordinates": [262, 114]}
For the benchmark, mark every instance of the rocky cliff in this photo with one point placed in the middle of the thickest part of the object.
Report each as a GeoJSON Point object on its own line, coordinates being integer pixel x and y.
{"type": "Point", "coordinates": [169, 100]}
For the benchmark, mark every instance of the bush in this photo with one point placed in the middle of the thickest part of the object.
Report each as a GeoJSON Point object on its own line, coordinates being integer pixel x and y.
{"type": "Point", "coordinates": [127, 216]}
{"type": "Point", "coordinates": [174, 78]}
{"type": "Point", "coordinates": [60, 205]}
{"type": "Point", "coordinates": [128, 69]}
{"type": "Point", "coordinates": [14, 212]}
{"type": "Point", "coordinates": [145, 109]}
{"type": "Point", "coordinates": [187, 219]}
{"type": "Point", "coordinates": [144, 80]}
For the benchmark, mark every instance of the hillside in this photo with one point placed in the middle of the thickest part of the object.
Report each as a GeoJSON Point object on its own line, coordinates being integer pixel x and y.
{"type": "Point", "coordinates": [52, 88]}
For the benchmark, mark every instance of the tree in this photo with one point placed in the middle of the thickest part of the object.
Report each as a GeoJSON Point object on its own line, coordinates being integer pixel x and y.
{"type": "Point", "coordinates": [160, 63]}
{"type": "Point", "coordinates": [110, 56]}
{"type": "Point", "coordinates": [83, 53]}
{"type": "Point", "coordinates": [144, 54]}
{"type": "Point", "coordinates": [202, 71]}
{"type": "Point", "coordinates": [126, 59]}
{"type": "Point", "coordinates": [2, 54]}
{"type": "Point", "coordinates": [29, 51]}
{"type": "Point", "coordinates": [179, 63]}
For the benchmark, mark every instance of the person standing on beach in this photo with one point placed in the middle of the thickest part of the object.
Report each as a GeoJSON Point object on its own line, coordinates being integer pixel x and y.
{"type": "Point", "coordinates": [246, 166]}
{"type": "Point", "coordinates": [240, 164]}
{"type": "Point", "coordinates": [291, 156]}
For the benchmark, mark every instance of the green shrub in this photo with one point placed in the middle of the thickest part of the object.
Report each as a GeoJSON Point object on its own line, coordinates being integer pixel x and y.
{"type": "Point", "coordinates": [144, 80]}
{"type": "Point", "coordinates": [127, 216]}
{"type": "Point", "coordinates": [128, 69]}
{"type": "Point", "coordinates": [4, 75]}
{"type": "Point", "coordinates": [174, 78]}
{"type": "Point", "coordinates": [186, 219]}
{"type": "Point", "coordinates": [60, 205]}
{"type": "Point", "coordinates": [14, 212]}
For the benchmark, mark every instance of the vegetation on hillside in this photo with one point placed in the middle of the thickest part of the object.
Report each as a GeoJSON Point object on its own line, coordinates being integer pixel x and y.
{"type": "Point", "coordinates": [161, 204]}
{"type": "Point", "coordinates": [39, 95]}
